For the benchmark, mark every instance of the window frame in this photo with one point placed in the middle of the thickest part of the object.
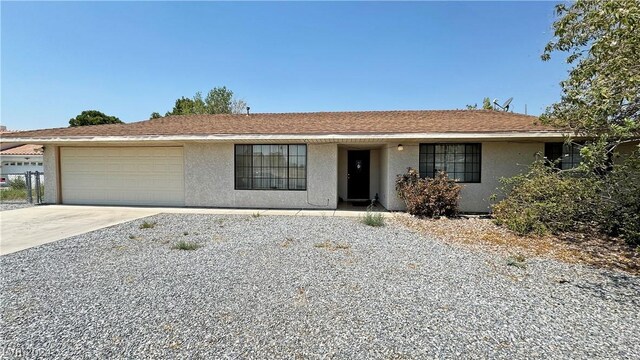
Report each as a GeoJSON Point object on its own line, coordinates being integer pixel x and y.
{"type": "Point", "coordinates": [479, 145]}
{"type": "Point", "coordinates": [306, 167]}
{"type": "Point", "coordinates": [572, 154]}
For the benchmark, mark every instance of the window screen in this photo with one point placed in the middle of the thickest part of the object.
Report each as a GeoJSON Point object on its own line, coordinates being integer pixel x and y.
{"type": "Point", "coordinates": [460, 161]}
{"type": "Point", "coordinates": [271, 167]}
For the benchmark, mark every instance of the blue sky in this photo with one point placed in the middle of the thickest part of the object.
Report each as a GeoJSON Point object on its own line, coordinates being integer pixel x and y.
{"type": "Point", "coordinates": [130, 59]}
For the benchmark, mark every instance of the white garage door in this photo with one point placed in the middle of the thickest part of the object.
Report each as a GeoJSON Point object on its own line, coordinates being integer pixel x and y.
{"type": "Point", "coordinates": [122, 176]}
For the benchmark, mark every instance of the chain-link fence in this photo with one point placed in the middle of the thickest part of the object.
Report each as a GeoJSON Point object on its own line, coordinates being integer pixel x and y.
{"type": "Point", "coordinates": [25, 187]}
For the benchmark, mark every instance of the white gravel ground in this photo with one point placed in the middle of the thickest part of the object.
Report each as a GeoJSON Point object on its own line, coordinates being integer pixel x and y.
{"type": "Point", "coordinates": [309, 287]}
{"type": "Point", "coordinates": [14, 205]}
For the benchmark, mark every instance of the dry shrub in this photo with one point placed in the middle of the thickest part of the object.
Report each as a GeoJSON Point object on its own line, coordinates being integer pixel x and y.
{"type": "Point", "coordinates": [428, 197]}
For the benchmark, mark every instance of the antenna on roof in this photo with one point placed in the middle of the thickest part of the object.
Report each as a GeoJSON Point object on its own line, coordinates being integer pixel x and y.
{"type": "Point", "coordinates": [505, 106]}
{"type": "Point", "coordinates": [248, 108]}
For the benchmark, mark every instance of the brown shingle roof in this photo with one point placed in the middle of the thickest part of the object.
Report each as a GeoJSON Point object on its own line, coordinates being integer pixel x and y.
{"type": "Point", "coordinates": [356, 122]}
{"type": "Point", "coordinates": [28, 149]}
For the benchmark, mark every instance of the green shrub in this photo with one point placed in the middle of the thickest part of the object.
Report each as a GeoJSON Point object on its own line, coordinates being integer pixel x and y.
{"type": "Point", "coordinates": [148, 225]}
{"type": "Point", "coordinates": [620, 214]}
{"type": "Point", "coordinates": [12, 194]}
{"type": "Point", "coordinates": [186, 245]}
{"type": "Point", "coordinates": [428, 197]}
{"type": "Point", "coordinates": [17, 183]}
{"type": "Point", "coordinates": [373, 219]}
{"type": "Point", "coordinates": [545, 200]}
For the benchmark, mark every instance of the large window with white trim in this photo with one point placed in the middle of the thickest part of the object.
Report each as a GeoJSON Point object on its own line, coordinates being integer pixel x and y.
{"type": "Point", "coordinates": [271, 167]}
{"type": "Point", "coordinates": [461, 162]}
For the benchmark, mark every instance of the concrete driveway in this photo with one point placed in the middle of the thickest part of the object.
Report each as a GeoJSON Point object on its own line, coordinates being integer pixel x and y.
{"type": "Point", "coordinates": [25, 228]}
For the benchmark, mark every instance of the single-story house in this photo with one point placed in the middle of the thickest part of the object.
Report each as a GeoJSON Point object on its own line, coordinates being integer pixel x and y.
{"type": "Point", "coordinates": [287, 160]}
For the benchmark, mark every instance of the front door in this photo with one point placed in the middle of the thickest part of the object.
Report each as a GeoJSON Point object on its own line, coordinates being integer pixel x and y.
{"type": "Point", "coordinates": [358, 175]}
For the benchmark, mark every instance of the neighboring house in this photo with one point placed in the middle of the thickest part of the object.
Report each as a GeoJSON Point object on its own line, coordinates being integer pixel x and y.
{"type": "Point", "coordinates": [294, 160]}
{"type": "Point", "coordinates": [17, 159]}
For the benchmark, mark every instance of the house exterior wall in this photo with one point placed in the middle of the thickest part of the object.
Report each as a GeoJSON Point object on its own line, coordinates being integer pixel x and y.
{"type": "Point", "coordinates": [499, 159]}
{"type": "Point", "coordinates": [50, 167]}
{"type": "Point", "coordinates": [209, 180]}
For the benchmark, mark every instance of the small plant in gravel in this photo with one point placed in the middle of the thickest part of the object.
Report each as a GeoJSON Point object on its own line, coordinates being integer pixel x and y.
{"type": "Point", "coordinates": [517, 260]}
{"type": "Point", "coordinates": [186, 245]}
{"type": "Point", "coordinates": [148, 225]}
{"type": "Point", "coordinates": [185, 233]}
{"type": "Point", "coordinates": [332, 246]}
{"type": "Point", "coordinates": [373, 219]}
{"type": "Point", "coordinates": [255, 215]}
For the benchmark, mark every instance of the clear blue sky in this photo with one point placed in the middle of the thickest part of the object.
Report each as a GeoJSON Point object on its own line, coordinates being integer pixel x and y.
{"type": "Point", "coordinates": [130, 59]}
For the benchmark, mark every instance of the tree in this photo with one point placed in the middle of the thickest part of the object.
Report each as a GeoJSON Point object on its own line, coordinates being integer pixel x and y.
{"type": "Point", "coordinates": [601, 97]}
{"type": "Point", "coordinates": [93, 117]}
{"type": "Point", "coordinates": [155, 115]}
{"type": "Point", "coordinates": [486, 104]}
{"type": "Point", "coordinates": [219, 100]}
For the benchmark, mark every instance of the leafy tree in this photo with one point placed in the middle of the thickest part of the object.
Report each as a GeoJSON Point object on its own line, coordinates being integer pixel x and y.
{"type": "Point", "coordinates": [601, 97]}
{"type": "Point", "coordinates": [486, 104]}
{"type": "Point", "coordinates": [93, 117]}
{"type": "Point", "coordinates": [219, 100]}
{"type": "Point", "coordinates": [155, 115]}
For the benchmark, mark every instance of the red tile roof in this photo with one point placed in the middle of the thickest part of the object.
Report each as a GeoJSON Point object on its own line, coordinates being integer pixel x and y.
{"type": "Point", "coordinates": [346, 123]}
{"type": "Point", "coordinates": [28, 149]}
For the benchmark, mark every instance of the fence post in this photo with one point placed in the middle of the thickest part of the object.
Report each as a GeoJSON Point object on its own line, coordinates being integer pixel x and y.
{"type": "Point", "coordinates": [27, 182]}
{"type": "Point", "coordinates": [38, 196]}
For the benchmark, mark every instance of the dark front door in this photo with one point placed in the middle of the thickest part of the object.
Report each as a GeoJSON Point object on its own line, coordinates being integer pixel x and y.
{"type": "Point", "coordinates": [358, 174]}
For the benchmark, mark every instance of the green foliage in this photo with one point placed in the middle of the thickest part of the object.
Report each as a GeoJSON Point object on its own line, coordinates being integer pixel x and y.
{"type": "Point", "coordinates": [155, 115]}
{"type": "Point", "coordinates": [13, 194]}
{"type": "Point", "coordinates": [219, 100]}
{"type": "Point", "coordinates": [373, 219]}
{"type": "Point", "coordinates": [601, 97]}
{"type": "Point", "coordinates": [472, 107]}
{"type": "Point", "coordinates": [546, 200]}
{"type": "Point", "coordinates": [186, 245]}
{"type": "Point", "coordinates": [147, 225]}
{"type": "Point", "coordinates": [621, 209]}
{"type": "Point", "coordinates": [486, 104]}
{"type": "Point", "coordinates": [428, 197]}
{"type": "Point", "coordinates": [93, 117]}
{"type": "Point", "coordinates": [17, 183]}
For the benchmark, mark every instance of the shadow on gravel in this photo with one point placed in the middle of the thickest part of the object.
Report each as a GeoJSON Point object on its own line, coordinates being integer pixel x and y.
{"type": "Point", "coordinates": [621, 288]}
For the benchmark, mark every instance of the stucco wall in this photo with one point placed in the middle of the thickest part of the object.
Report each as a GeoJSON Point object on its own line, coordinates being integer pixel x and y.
{"type": "Point", "coordinates": [50, 167]}
{"type": "Point", "coordinates": [209, 180]}
{"type": "Point", "coordinates": [499, 159]}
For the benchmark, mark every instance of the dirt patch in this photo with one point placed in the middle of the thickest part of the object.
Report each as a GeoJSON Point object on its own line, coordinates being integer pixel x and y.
{"type": "Point", "coordinates": [482, 233]}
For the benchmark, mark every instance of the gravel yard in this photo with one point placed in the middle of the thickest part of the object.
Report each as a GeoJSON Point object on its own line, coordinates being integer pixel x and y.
{"type": "Point", "coordinates": [309, 287]}
{"type": "Point", "coordinates": [4, 206]}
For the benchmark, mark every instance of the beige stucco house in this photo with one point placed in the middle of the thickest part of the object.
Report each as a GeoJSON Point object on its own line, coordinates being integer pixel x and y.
{"type": "Point", "coordinates": [293, 160]}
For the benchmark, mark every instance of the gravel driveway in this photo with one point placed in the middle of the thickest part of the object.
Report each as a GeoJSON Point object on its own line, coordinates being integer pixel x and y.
{"type": "Point", "coordinates": [309, 287]}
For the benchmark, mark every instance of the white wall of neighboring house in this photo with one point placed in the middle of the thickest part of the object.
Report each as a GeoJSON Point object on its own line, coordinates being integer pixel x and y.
{"type": "Point", "coordinates": [12, 166]}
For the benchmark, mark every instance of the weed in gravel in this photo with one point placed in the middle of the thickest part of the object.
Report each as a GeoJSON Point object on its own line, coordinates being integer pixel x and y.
{"type": "Point", "coordinates": [148, 225]}
{"type": "Point", "coordinates": [186, 245]}
{"type": "Point", "coordinates": [517, 260]}
{"type": "Point", "coordinates": [373, 219]}
{"type": "Point", "coordinates": [133, 237]}
{"type": "Point", "coordinates": [332, 246]}
{"type": "Point", "coordinates": [185, 233]}
{"type": "Point", "coordinates": [288, 242]}
{"type": "Point", "coordinates": [255, 215]}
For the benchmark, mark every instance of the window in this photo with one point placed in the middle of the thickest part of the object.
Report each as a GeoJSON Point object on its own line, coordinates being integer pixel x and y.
{"type": "Point", "coordinates": [460, 161]}
{"type": "Point", "coordinates": [569, 154]}
{"type": "Point", "coordinates": [271, 167]}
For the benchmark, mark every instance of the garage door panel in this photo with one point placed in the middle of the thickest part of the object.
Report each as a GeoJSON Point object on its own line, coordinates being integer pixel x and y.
{"type": "Point", "coordinates": [123, 176]}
